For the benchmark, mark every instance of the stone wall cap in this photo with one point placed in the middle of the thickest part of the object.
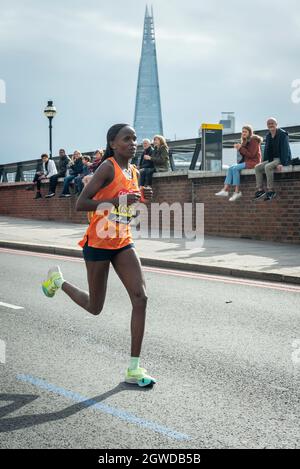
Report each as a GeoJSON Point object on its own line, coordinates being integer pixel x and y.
{"type": "Point", "coordinates": [191, 174]}
{"type": "Point", "coordinates": [245, 172]}
{"type": "Point", "coordinates": [178, 172]}
{"type": "Point", "coordinates": [25, 183]}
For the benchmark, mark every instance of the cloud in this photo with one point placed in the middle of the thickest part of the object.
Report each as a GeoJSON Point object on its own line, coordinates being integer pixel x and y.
{"type": "Point", "coordinates": [85, 55]}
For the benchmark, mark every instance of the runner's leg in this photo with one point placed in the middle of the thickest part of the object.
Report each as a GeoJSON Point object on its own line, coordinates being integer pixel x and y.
{"type": "Point", "coordinates": [97, 273]}
{"type": "Point", "coordinates": [128, 267]}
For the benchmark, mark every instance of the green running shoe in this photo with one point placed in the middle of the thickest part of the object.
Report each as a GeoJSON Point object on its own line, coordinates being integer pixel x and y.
{"type": "Point", "coordinates": [53, 282]}
{"type": "Point", "coordinates": [139, 377]}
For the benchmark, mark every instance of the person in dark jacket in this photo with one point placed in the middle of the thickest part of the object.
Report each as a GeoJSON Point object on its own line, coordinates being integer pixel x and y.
{"type": "Point", "coordinates": [160, 156]}
{"type": "Point", "coordinates": [78, 181]}
{"type": "Point", "coordinates": [75, 168]}
{"type": "Point", "coordinates": [146, 165]}
{"type": "Point", "coordinates": [276, 155]}
{"type": "Point", "coordinates": [97, 160]}
{"type": "Point", "coordinates": [63, 162]}
{"type": "Point", "coordinates": [250, 150]}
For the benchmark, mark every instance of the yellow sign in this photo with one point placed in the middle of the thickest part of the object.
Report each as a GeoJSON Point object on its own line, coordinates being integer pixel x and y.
{"type": "Point", "coordinates": [212, 126]}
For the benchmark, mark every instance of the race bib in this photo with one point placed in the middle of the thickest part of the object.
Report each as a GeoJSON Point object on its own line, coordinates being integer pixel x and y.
{"type": "Point", "coordinates": [123, 213]}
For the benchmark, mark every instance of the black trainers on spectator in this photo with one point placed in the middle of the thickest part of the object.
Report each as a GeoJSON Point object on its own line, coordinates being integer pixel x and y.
{"type": "Point", "coordinates": [65, 195]}
{"type": "Point", "coordinates": [259, 195]}
{"type": "Point", "coordinates": [270, 195]}
{"type": "Point", "coordinates": [52, 194]}
{"type": "Point", "coordinates": [38, 195]}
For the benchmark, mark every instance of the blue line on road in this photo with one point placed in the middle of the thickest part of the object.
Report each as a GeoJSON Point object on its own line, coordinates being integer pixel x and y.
{"type": "Point", "coordinates": [121, 414]}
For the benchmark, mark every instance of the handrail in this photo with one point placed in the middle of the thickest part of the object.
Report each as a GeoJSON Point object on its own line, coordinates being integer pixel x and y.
{"type": "Point", "coordinates": [192, 146]}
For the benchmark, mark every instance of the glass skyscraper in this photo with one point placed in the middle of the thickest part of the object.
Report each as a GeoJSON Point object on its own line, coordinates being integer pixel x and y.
{"type": "Point", "coordinates": [147, 116]}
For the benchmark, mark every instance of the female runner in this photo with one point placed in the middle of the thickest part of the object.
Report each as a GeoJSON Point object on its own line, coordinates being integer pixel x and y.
{"type": "Point", "coordinates": [108, 240]}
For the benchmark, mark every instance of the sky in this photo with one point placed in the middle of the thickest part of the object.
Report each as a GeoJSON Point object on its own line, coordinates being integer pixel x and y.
{"type": "Point", "coordinates": [84, 55]}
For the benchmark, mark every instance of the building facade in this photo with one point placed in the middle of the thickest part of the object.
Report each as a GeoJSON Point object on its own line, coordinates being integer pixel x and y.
{"type": "Point", "coordinates": [147, 116]}
{"type": "Point", "coordinates": [228, 122]}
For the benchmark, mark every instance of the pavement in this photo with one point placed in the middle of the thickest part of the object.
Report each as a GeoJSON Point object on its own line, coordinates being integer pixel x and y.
{"type": "Point", "coordinates": [224, 256]}
{"type": "Point", "coordinates": [224, 351]}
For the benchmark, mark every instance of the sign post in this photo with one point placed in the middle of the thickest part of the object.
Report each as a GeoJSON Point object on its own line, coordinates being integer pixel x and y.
{"type": "Point", "coordinates": [212, 147]}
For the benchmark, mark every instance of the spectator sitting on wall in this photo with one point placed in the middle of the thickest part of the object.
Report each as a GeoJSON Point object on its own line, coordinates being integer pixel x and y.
{"type": "Point", "coordinates": [160, 155]}
{"type": "Point", "coordinates": [78, 181]}
{"type": "Point", "coordinates": [98, 155]}
{"type": "Point", "coordinates": [276, 155]}
{"type": "Point", "coordinates": [75, 168]}
{"type": "Point", "coordinates": [47, 171]}
{"type": "Point", "coordinates": [63, 162]}
{"type": "Point", "coordinates": [146, 165]}
{"type": "Point", "coordinates": [250, 151]}
{"type": "Point", "coordinates": [97, 159]}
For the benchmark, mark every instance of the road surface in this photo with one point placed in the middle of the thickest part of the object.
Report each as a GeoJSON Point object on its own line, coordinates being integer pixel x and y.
{"type": "Point", "coordinates": [225, 353]}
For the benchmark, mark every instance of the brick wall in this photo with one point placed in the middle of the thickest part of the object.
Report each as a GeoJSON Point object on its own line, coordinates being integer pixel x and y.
{"type": "Point", "coordinates": [18, 202]}
{"type": "Point", "coordinates": [278, 220]}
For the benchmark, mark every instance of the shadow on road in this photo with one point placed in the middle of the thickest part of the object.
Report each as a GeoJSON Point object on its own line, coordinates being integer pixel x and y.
{"type": "Point", "coordinates": [25, 421]}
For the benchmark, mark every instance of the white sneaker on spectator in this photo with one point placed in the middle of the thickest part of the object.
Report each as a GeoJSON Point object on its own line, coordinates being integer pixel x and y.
{"type": "Point", "coordinates": [236, 196]}
{"type": "Point", "coordinates": [222, 193]}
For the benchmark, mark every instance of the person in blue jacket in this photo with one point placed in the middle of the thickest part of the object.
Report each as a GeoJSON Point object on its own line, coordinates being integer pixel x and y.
{"type": "Point", "coordinates": [75, 168]}
{"type": "Point", "coordinates": [276, 155]}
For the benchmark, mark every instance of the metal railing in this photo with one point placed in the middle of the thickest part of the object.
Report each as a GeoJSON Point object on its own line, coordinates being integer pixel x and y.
{"type": "Point", "coordinates": [184, 154]}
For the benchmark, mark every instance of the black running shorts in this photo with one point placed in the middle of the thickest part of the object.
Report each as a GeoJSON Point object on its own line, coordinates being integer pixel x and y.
{"type": "Point", "coordinates": [97, 254]}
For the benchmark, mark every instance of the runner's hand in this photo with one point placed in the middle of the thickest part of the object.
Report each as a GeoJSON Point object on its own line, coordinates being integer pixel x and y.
{"type": "Point", "coordinates": [148, 193]}
{"type": "Point", "coordinates": [133, 198]}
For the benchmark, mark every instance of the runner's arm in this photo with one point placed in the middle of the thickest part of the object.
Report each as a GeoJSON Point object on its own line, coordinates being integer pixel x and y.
{"type": "Point", "coordinates": [101, 178]}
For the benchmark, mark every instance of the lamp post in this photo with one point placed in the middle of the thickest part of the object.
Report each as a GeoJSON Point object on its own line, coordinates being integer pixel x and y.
{"type": "Point", "coordinates": [50, 112]}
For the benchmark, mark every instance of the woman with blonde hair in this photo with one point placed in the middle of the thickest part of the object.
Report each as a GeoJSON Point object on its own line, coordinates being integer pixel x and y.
{"type": "Point", "coordinates": [160, 156]}
{"type": "Point", "coordinates": [250, 150]}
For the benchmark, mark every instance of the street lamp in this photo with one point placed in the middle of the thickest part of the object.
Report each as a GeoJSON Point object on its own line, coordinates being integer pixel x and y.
{"type": "Point", "coordinates": [50, 112]}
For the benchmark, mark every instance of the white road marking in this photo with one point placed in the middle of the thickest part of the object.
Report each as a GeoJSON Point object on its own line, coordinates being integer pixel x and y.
{"type": "Point", "coordinates": [7, 305]}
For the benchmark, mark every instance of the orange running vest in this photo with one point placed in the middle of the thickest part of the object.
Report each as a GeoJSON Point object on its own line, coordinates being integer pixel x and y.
{"type": "Point", "coordinates": [104, 231]}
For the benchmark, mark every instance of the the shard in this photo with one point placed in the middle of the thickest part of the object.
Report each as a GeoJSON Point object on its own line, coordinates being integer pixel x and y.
{"type": "Point", "coordinates": [147, 116]}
